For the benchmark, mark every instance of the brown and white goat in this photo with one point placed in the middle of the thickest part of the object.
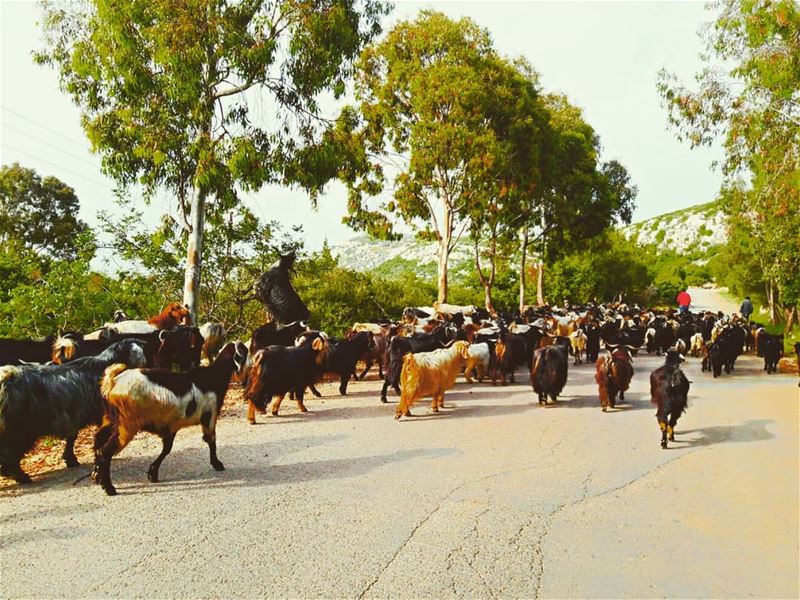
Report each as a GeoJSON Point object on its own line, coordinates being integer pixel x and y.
{"type": "Point", "coordinates": [163, 403]}
{"type": "Point", "coordinates": [430, 374]}
{"type": "Point", "coordinates": [577, 340]}
{"type": "Point", "coordinates": [173, 315]}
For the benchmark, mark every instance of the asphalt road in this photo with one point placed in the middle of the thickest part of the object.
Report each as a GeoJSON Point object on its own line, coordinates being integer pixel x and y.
{"type": "Point", "coordinates": [494, 497]}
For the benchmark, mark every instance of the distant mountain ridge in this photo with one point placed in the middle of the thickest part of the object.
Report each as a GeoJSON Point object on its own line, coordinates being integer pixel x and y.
{"type": "Point", "coordinates": [697, 228]}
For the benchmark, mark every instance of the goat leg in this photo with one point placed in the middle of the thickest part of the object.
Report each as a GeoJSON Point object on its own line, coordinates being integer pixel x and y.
{"type": "Point", "coordinates": [366, 370]}
{"type": "Point", "coordinates": [10, 467]}
{"type": "Point", "coordinates": [167, 439]}
{"type": "Point", "coordinates": [69, 452]}
{"type": "Point", "coordinates": [210, 438]}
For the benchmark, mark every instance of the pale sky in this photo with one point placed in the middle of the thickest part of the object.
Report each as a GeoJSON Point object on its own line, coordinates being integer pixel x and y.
{"type": "Point", "coordinates": [603, 55]}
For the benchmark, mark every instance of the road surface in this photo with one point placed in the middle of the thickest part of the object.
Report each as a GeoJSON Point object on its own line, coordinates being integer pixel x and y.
{"type": "Point", "coordinates": [495, 497]}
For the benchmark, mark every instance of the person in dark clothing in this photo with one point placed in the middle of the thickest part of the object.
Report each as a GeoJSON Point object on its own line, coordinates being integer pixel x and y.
{"type": "Point", "coordinates": [746, 308]}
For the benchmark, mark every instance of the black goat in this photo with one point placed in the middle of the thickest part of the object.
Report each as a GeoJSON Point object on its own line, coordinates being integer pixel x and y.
{"type": "Point", "coordinates": [275, 290]}
{"type": "Point", "coordinates": [549, 371]}
{"type": "Point", "coordinates": [278, 370]}
{"type": "Point", "coordinates": [270, 334]}
{"type": "Point", "coordinates": [669, 391]}
{"type": "Point", "coordinates": [57, 400]}
{"type": "Point", "coordinates": [771, 347]}
{"type": "Point", "coordinates": [343, 357]}
{"type": "Point", "coordinates": [17, 352]}
{"type": "Point", "coordinates": [504, 357]}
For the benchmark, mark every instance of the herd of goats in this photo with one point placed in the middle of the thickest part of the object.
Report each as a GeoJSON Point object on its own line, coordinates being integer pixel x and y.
{"type": "Point", "coordinates": [163, 374]}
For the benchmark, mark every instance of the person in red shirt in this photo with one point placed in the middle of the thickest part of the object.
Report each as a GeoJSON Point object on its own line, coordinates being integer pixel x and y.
{"type": "Point", "coordinates": [684, 301]}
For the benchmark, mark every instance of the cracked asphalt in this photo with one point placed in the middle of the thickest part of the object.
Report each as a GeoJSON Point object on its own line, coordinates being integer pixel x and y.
{"type": "Point", "coordinates": [496, 497]}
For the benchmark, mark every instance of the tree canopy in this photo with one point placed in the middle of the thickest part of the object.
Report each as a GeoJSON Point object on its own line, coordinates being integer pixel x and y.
{"type": "Point", "coordinates": [208, 97]}
{"type": "Point", "coordinates": [752, 102]}
{"type": "Point", "coordinates": [40, 213]}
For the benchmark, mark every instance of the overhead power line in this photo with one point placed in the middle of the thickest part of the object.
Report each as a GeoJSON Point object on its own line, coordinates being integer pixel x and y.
{"type": "Point", "coordinates": [47, 162]}
{"type": "Point", "coordinates": [48, 144]}
{"type": "Point", "coordinates": [43, 126]}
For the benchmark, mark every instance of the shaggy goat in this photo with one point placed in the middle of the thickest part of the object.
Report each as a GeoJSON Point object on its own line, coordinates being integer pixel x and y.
{"type": "Point", "coordinates": [213, 337]}
{"type": "Point", "coordinates": [613, 374]}
{"type": "Point", "coordinates": [278, 370]}
{"type": "Point", "coordinates": [669, 391]}
{"type": "Point", "coordinates": [275, 290]}
{"type": "Point", "coordinates": [549, 371]}
{"type": "Point", "coordinates": [163, 403]}
{"type": "Point", "coordinates": [430, 374]}
{"type": "Point", "coordinates": [577, 340]}
{"type": "Point", "coordinates": [57, 400]}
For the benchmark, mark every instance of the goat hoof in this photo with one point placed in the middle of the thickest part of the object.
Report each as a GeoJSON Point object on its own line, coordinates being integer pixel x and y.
{"type": "Point", "coordinates": [152, 476]}
{"type": "Point", "coordinates": [110, 490]}
{"type": "Point", "coordinates": [274, 413]}
{"type": "Point", "coordinates": [672, 438]}
{"type": "Point", "coordinates": [218, 466]}
{"type": "Point", "coordinates": [664, 445]}
{"type": "Point", "coordinates": [251, 421]}
{"type": "Point", "coordinates": [383, 400]}
{"type": "Point", "coordinates": [72, 462]}
{"type": "Point", "coordinates": [605, 408]}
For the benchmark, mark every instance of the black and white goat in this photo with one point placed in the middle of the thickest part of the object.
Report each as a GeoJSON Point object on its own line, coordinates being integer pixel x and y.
{"type": "Point", "coordinates": [57, 400]}
{"type": "Point", "coordinates": [162, 402]}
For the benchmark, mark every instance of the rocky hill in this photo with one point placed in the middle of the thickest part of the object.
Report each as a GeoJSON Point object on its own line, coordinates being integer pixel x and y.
{"type": "Point", "coordinates": [695, 230]}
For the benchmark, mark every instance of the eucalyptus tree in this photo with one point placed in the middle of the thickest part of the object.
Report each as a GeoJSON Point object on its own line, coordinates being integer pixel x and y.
{"type": "Point", "coordinates": [749, 96]}
{"type": "Point", "coordinates": [509, 190]}
{"type": "Point", "coordinates": [578, 198]}
{"type": "Point", "coordinates": [424, 94]}
{"type": "Point", "coordinates": [208, 97]}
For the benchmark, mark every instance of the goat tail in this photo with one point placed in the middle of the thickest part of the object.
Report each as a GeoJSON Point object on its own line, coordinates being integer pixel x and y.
{"type": "Point", "coordinates": [111, 373]}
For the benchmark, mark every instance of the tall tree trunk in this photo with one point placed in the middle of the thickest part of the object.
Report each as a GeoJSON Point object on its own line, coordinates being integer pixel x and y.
{"type": "Point", "coordinates": [773, 302]}
{"type": "Point", "coordinates": [523, 252]}
{"type": "Point", "coordinates": [540, 282]}
{"type": "Point", "coordinates": [445, 237]}
{"type": "Point", "coordinates": [191, 283]}
{"type": "Point", "coordinates": [444, 256]}
{"type": "Point", "coordinates": [789, 320]}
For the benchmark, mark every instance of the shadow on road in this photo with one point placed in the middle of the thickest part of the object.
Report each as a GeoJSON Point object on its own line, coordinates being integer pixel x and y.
{"type": "Point", "coordinates": [131, 479]}
{"type": "Point", "coordinates": [754, 430]}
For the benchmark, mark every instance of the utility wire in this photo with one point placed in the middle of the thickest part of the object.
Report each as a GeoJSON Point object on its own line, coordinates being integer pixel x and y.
{"type": "Point", "coordinates": [43, 126]}
{"type": "Point", "coordinates": [95, 181]}
{"type": "Point", "coordinates": [48, 144]}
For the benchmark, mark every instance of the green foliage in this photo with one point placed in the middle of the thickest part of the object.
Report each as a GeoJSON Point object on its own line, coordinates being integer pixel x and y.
{"type": "Point", "coordinates": [162, 87]}
{"type": "Point", "coordinates": [41, 214]}
{"type": "Point", "coordinates": [752, 104]}
{"type": "Point", "coordinates": [45, 296]}
{"type": "Point", "coordinates": [338, 297]}
{"type": "Point", "coordinates": [606, 267]}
